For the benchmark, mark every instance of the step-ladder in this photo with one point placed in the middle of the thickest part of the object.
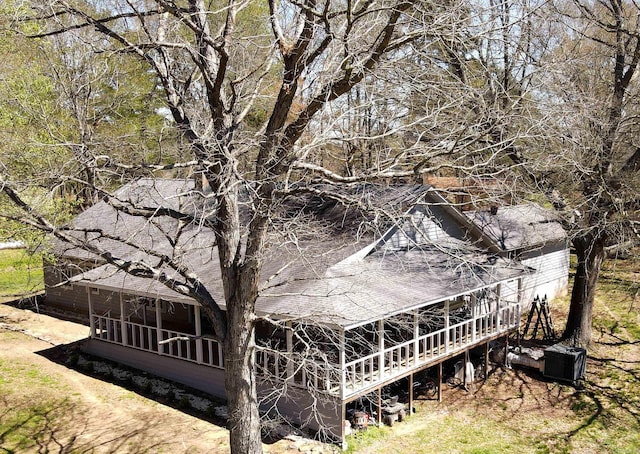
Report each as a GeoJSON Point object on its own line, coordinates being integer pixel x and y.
{"type": "Point", "coordinates": [540, 309]}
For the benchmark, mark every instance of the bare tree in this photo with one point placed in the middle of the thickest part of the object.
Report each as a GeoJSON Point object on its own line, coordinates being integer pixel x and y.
{"type": "Point", "coordinates": [555, 86]}
{"type": "Point", "coordinates": [586, 169]}
{"type": "Point", "coordinates": [246, 85]}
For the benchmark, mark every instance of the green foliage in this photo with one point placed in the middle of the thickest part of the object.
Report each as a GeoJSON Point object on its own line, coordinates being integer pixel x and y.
{"type": "Point", "coordinates": [61, 105]}
{"type": "Point", "coordinates": [20, 272]}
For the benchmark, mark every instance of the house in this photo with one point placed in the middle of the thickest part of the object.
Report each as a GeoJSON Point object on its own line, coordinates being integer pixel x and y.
{"type": "Point", "coordinates": [346, 308]}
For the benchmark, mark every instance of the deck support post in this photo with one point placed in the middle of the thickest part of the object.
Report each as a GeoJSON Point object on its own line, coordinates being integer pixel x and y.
{"type": "Point", "coordinates": [123, 327]}
{"type": "Point", "coordinates": [379, 413]}
{"type": "Point", "coordinates": [440, 382]}
{"type": "Point", "coordinates": [198, 325]}
{"type": "Point", "coordinates": [486, 360]}
{"type": "Point", "coordinates": [92, 322]}
{"type": "Point", "coordinates": [411, 393]}
{"type": "Point", "coordinates": [464, 369]}
{"type": "Point", "coordinates": [343, 417]}
{"type": "Point", "coordinates": [506, 348]}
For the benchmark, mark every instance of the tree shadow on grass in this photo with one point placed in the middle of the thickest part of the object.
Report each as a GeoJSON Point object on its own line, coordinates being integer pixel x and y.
{"type": "Point", "coordinates": [526, 397]}
{"type": "Point", "coordinates": [61, 425]}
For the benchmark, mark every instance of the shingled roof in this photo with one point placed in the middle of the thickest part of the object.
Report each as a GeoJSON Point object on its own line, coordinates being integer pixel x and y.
{"type": "Point", "coordinates": [336, 274]}
{"type": "Point", "coordinates": [519, 226]}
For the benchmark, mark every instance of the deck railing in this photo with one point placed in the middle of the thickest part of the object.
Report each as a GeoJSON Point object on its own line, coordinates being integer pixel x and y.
{"type": "Point", "coordinates": [201, 350]}
{"type": "Point", "coordinates": [355, 377]}
{"type": "Point", "coordinates": [367, 372]}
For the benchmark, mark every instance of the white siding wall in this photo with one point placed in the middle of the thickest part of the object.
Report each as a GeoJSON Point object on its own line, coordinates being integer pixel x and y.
{"type": "Point", "coordinates": [551, 277]}
{"type": "Point", "coordinates": [421, 228]}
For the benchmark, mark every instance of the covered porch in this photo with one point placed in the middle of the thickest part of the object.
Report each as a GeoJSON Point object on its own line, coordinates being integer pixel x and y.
{"type": "Point", "coordinates": [343, 362]}
{"type": "Point", "coordinates": [363, 358]}
{"type": "Point", "coordinates": [153, 325]}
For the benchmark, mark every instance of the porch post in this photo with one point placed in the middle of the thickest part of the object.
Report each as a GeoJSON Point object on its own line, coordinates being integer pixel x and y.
{"type": "Point", "coordinates": [416, 335]}
{"type": "Point", "coordinates": [381, 362]}
{"type": "Point", "coordinates": [159, 326]}
{"type": "Point", "coordinates": [464, 369]}
{"type": "Point", "coordinates": [473, 303]}
{"type": "Point", "coordinates": [198, 323]}
{"type": "Point", "coordinates": [342, 363]}
{"type": "Point", "coordinates": [123, 327]}
{"type": "Point", "coordinates": [411, 393]}
{"type": "Point", "coordinates": [379, 406]}
{"type": "Point", "coordinates": [498, 292]}
{"type": "Point", "coordinates": [520, 290]}
{"type": "Point", "coordinates": [519, 306]}
{"type": "Point", "coordinates": [92, 322]}
{"type": "Point", "coordinates": [289, 335]}
{"type": "Point", "coordinates": [446, 326]}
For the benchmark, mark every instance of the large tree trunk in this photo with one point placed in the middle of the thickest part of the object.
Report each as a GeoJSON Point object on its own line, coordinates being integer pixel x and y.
{"type": "Point", "coordinates": [240, 385]}
{"type": "Point", "coordinates": [590, 254]}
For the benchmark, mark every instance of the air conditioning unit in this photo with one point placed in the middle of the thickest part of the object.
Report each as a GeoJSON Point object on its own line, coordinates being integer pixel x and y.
{"type": "Point", "coordinates": [565, 363]}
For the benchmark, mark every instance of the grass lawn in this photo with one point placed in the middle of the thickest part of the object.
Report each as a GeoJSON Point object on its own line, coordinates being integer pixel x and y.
{"type": "Point", "coordinates": [20, 273]}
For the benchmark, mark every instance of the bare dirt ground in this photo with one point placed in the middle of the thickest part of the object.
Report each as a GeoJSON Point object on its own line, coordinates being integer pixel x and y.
{"type": "Point", "coordinates": [86, 414]}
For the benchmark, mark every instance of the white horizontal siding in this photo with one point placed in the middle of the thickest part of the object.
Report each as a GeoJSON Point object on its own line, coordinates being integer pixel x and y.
{"type": "Point", "coordinates": [422, 228]}
{"type": "Point", "coordinates": [551, 277]}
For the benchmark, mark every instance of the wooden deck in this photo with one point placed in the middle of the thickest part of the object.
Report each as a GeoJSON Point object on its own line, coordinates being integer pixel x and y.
{"type": "Point", "coordinates": [367, 374]}
{"type": "Point", "coordinates": [354, 378]}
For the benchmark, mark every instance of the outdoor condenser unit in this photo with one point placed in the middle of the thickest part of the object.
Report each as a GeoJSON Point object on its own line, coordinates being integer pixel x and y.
{"type": "Point", "coordinates": [565, 363]}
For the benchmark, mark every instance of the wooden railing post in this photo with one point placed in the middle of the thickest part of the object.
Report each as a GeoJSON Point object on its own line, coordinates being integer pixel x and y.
{"type": "Point", "coordinates": [198, 323]}
{"type": "Point", "coordinates": [92, 322]}
{"type": "Point", "coordinates": [520, 298]}
{"type": "Point", "coordinates": [473, 303]}
{"type": "Point", "coordinates": [342, 363]}
{"type": "Point", "coordinates": [123, 325]}
{"type": "Point", "coordinates": [381, 360]}
{"type": "Point", "coordinates": [416, 335]}
{"type": "Point", "coordinates": [290, 365]}
{"type": "Point", "coordinates": [159, 326]}
{"type": "Point", "coordinates": [498, 292]}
